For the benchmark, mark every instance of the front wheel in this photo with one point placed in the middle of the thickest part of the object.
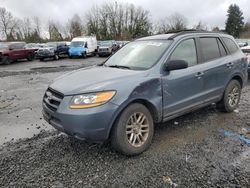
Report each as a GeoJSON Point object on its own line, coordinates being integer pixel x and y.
{"type": "Point", "coordinates": [84, 55]}
{"type": "Point", "coordinates": [56, 57]}
{"type": "Point", "coordinates": [231, 97]}
{"type": "Point", "coordinates": [133, 131]}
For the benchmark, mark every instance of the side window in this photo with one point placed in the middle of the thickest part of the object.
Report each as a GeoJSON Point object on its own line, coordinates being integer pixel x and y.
{"type": "Point", "coordinates": [222, 48]}
{"type": "Point", "coordinates": [186, 51]}
{"type": "Point", "coordinates": [231, 46]}
{"type": "Point", "coordinates": [209, 48]}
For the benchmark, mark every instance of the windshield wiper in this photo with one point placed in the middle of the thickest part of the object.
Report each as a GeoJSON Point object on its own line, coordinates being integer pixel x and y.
{"type": "Point", "coordinates": [119, 66]}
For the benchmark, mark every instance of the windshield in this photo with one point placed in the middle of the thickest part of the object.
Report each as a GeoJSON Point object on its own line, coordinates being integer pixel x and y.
{"type": "Point", "coordinates": [50, 45]}
{"type": "Point", "coordinates": [77, 44]}
{"type": "Point", "coordinates": [139, 55]}
{"type": "Point", "coordinates": [105, 43]}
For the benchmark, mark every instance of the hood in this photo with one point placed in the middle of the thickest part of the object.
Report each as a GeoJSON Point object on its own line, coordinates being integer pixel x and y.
{"type": "Point", "coordinates": [4, 50]}
{"type": "Point", "coordinates": [46, 48]}
{"type": "Point", "coordinates": [105, 46]}
{"type": "Point", "coordinates": [92, 79]}
{"type": "Point", "coordinates": [76, 48]}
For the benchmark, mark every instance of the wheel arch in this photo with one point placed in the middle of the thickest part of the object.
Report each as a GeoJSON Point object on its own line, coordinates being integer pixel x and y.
{"type": "Point", "coordinates": [238, 78]}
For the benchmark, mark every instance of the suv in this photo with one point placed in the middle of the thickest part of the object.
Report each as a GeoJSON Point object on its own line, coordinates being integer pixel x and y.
{"type": "Point", "coordinates": [150, 80]}
{"type": "Point", "coordinates": [105, 48]}
{"type": "Point", "coordinates": [12, 51]}
{"type": "Point", "coordinates": [53, 50]}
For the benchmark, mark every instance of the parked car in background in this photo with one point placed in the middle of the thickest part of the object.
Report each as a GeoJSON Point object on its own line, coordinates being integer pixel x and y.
{"type": "Point", "coordinates": [121, 43]}
{"type": "Point", "coordinates": [150, 80]}
{"type": "Point", "coordinates": [105, 48]}
{"type": "Point", "coordinates": [83, 46]}
{"type": "Point", "coordinates": [115, 46]}
{"type": "Point", "coordinates": [12, 51]}
{"type": "Point", "coordinates": [53, 50]}
{"type": "Point", "coordinates": [243, 42]}
{"type": "Point", "coordinates": [246, 51]}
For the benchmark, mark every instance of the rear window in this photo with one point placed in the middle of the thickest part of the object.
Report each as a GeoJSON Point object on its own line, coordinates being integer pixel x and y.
{"type": "Point", "coordinates": [210, 49]}
{"type": "Point", "coordinates": [231, 46]}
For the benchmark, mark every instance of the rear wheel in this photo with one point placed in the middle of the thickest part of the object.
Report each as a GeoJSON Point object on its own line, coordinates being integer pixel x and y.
{"type": "Point", "coordinates": [133, 131]}
{"type": "Point", "coordinates": [6, 60]}
{"type": "Point", "coordinates": [231, 97]}
{"type": "Point", "coordinates": [30, 57]}
{"type": "Point", "coordinates": [41, 59]}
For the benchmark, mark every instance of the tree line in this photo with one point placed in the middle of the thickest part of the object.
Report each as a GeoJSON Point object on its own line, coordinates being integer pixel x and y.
{"type": "Point", "coordinates": [110, 20]}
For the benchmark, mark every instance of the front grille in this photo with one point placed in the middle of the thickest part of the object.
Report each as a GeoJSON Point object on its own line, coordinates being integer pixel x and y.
{"type": "Point", "coordinates": [103, 49]}
{"type": "Point", "coordinates": [52, 99]}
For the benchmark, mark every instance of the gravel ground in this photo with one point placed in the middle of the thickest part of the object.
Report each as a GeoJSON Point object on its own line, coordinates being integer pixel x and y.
{"type": "Point", "coordinates": [190, 151]}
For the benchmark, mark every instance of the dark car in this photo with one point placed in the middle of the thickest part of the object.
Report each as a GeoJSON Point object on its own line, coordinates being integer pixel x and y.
{"type": "Point", "coordinates": [53, 50]}
{"type": "Point", "coordinates": [150, 80]}
{"type": "Point", "coordinates": [105, 48]}
{"type": "Point", "coordinates": [12, 51]}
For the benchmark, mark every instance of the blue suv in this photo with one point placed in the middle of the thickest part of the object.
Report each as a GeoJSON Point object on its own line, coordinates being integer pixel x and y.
{"type": "Point", "coordinates": [150, 80]}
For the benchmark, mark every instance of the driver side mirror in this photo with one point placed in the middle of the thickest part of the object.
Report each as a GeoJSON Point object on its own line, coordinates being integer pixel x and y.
{"type": "Point", "coordinates": [175, 65]}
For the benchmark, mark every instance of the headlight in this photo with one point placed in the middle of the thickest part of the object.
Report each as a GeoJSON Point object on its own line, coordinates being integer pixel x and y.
{"type": "Point", "coordinates": [91, 99]}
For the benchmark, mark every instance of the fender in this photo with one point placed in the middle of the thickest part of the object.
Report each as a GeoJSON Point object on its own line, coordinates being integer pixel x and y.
{"type": "Point", "coordinates": [149, 92]}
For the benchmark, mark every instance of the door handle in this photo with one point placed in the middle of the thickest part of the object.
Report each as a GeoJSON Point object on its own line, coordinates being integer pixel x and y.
{"type": "Point", "coordinates": [230, 64]}
{"type": "Point", "coordinates": [199, 75]}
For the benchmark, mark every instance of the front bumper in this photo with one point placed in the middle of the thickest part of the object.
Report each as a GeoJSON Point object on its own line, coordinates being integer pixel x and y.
{"type": "Point", "coordinates": [76, 53]}
{"type": "Point", "coordinates": [45, 55]}
{"type": "Point", "coordinates": [85, 124]}
{"type": "Point", "coordinates": [104, 53]}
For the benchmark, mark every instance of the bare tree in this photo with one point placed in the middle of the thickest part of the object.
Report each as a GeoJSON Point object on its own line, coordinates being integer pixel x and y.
{"type": "Point", "coordinates": [177, 22]}
{"type": "Point", "coordinates": [118, 21]}
{"type": "Point", "coordinates": [37, 25]}
{"type": "Point", "coordinates": [8, 24]}
{"type": "Point", "coordinates": [75, 26]}
{"type": "Point", "coordinates": [54, 33]}
{"type": "Point", "coordinates": [200, 26]}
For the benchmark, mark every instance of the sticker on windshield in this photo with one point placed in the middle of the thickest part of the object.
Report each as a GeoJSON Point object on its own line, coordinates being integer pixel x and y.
{"type": "Point", "coordinates": [154, 43]}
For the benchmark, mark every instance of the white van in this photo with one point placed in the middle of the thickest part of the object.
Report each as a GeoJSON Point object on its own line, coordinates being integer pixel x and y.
{"type": "Point", "coordinates": [83, 46]}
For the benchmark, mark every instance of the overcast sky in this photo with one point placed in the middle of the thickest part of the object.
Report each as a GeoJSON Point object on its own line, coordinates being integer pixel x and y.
{"type": "Point", "coordinates": [211, 12]}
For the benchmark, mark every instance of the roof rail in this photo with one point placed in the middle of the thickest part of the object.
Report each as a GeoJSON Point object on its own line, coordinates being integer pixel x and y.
{"type": "Point", "coordinates": [182, 32]}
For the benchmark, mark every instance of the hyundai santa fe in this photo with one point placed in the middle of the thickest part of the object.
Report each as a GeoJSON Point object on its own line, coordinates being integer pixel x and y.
{"type": "Point", "coordinates": [148, 81]}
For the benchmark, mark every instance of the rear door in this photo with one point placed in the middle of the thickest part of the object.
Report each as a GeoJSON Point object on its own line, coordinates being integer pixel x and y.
{"type": "Point", "coordinates": [214, 66]}
{"type": "Point", "coordinates": [182, 88]}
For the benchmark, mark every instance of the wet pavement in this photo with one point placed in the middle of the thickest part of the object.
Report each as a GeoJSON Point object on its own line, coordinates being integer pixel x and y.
{"type": "Point", "coordinates": [206, 148]}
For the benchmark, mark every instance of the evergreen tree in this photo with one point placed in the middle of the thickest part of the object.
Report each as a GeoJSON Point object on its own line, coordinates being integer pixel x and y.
{"type": "Point", "coordinates": [234, 23]}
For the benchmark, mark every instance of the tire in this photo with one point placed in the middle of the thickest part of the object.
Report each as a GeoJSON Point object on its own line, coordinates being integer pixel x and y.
{"type": "Point", "coordinates": [84, 55]}
{"type": "Point", "coordinates": [6, 60]}
{"type": "Point", "coordinates": [231, 97]}
{"type": "Point", "coordinates": [30, 57]}
{"type": "Point", "coordinates": [41, 59]}
{"type": "Point", "coordinates": [56, 57]}
{"type": "Point", "coordinates": [125, 136]}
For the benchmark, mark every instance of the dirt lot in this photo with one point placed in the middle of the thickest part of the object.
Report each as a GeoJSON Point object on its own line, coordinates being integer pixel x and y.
{"type": "Point", "coordinates": [206, 148]}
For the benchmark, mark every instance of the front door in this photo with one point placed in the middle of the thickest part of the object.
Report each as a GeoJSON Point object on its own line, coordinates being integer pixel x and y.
{"type": "Point", "coordinates": [182, 88]}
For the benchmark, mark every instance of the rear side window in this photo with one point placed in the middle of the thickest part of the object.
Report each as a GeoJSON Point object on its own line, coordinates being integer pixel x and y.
{"type": "Point", "coordinates": [231, 46]}
{"type": "Point", "coordinates": [186, 51]}
{"type": "Point", "coordinates": [209, 48]}
{"type": "Point", "coordinates": [222, 48]}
